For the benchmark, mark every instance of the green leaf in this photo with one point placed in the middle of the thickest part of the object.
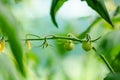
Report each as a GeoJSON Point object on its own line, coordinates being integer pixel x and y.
{"type": "Point", "coordinates": [117, 11]}
{"type": "Point", "coordinates": [56, 4]}
{"type": "Point", "coordinates": [111, 76]}
{"type": "Point", "coordinates": [8, 26]}
{"type": "Point", "coordinates": [100, 8]}
{"type": "Point", "coordinates": [110, 47]}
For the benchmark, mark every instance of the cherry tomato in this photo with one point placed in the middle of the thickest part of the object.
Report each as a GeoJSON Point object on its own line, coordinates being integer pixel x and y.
{"type": "Point", "coordinates": [69, 45]}
{"type": "Point", "coordinates": [87, 45]}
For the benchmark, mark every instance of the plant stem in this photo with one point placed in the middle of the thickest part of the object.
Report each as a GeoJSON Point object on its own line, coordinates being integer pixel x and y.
{"type": "Point", "coordinates": [57, 37]}
{"type": "Point", "coordinates": [105, 61]}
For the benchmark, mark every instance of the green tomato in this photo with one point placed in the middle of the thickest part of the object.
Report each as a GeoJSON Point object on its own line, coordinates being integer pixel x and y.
{"type": "Point", "coordinates": [69, 45]}
{"type": "Point", "coordinates": [87, 46]}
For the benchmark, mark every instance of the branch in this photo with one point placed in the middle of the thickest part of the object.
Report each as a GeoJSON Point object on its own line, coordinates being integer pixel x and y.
{"type": "Point", "coordinates": [105, 61]}
{"type": "Point", "coordinates": [56, 37]}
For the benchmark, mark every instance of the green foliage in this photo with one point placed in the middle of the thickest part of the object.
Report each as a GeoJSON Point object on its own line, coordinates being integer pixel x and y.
{"type": "Point", "coordinates": [110, 47]}
{"type": "Point", "coordinates": [56, 4]}
{"type": "Point", "coordinates": [8, 24]}
{"type": "Point", "coordinates": [111, 76]}
{"type": "Point", "coordinates": [99, 6]}
{"type": "Point", "coordinates": [10, 2]}
{"type": "Point", "coordinates": [54, 62]}
{"type": "Point", "coordinates": [117, 11]}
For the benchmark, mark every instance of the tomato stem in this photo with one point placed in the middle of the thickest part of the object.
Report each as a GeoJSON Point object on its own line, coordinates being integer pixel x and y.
{"type": "Point", "coordinates": [56, 37]}
{"type": "Point", "coordinates": [105, 61]}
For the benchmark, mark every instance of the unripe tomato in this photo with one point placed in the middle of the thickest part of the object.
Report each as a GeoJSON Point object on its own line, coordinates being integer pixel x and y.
{"type": "Point", "coordinates": [69, 45]}
{"type": "Point", "coordinates": [87, 45]}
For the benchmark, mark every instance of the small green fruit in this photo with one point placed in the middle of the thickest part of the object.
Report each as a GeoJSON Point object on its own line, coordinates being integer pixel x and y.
{"type": "Point", "coordinates": [69, 45]}
{"type": "Point", "coordinates": [87, 45]}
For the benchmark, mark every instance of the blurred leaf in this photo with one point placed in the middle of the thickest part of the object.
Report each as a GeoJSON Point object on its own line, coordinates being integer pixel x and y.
{"type": "Point", "coordinates": [56, 4]}
{"type": "Point", "coordinates": [8, 24]}
{"type": "Point", "coordinates": [110, 47]}
{"type": "Point", "coordinates": [4, 1]}
{"type": "Point", "coordinates": [18, 1]}
{"type": "Point", "coordinates": [83, 34]}
{"type": "Point", "coordinates": [116, 18]}
{"type": "Point", "coordinates": [110, 41]}
{"type": "Point", "coordinates": [117, 11]}
{"type": "Point", "coordinates": [100, 8]}
{"type": "Point", "coordinates": [7, 69]}
{"type": "Point", "coordinates": [32, 56]}
{"type": "Point", "coordinates": [111, 76]}
{"type": "Point", "coordinates": [8, 2]}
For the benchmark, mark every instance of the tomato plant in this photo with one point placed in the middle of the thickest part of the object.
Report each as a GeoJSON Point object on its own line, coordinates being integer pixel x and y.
{"type": "Point", "coordinates": [84, 57]}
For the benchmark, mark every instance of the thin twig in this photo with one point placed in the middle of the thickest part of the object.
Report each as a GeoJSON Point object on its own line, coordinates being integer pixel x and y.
{"type": "Point", "coordinates": [105, 61]}
{"type": "Point", "coordinates": [57, 37]}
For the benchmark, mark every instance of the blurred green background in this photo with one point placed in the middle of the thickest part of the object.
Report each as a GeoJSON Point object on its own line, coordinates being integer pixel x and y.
{"type": "Point", "coordinates": [54, 62]}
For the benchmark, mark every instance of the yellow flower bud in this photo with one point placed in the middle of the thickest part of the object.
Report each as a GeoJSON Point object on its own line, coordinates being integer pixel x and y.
{"type": "Point", "coordinates": [2, 45]}
{"type": "Point", "coordinates": [28, 44]}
